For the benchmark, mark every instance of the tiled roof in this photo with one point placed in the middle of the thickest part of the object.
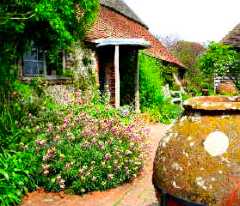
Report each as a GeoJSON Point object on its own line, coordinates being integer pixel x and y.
{"type": "Point", "coordinates": [111, 24]}
{"type": "Point", "coordinates": [233, 38]}
{"type": "Point", "coordinates": [122, 8]}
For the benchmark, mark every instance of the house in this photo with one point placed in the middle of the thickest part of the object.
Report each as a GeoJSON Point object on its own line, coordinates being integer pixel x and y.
{"type": "Point", "coordinates": [233, 38]}
{"type": "Point", "coordinates": [225, 84]}
{"type": "Point", "coordinates": [111, 49]}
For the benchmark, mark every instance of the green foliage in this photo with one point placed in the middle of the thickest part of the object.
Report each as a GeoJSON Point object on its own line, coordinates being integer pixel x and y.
{"type": "Point", "coordinates": [87, 149]}
{"type": "Point", "coordinates": [24, 101]}
{"type": "Point", "coordinates": [53, 25]}
{"type": "Point", "coordinates": [16, 176]}
{"type": "Point", "coordinates": [60, 22]}
{"type": "Point", "coordinates": [76, 147]}
{"type": "Point", "coordinates": [194, 80]}
{"type": "Point", "coordinates": [197, 81]}
{"type": "Point", "coordinates": [152, 78]}
{"type": "Point", "coordinates": [187, 53]}
{"type": "Point", "coordinates": [150, 81]}
{"type": "Point", "coordinates": [165, 113]}
{"type": "Point", "coordinates": [220, 60]}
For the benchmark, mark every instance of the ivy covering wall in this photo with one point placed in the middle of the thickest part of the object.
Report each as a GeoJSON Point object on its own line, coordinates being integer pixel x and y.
{"type": "Point", "coordinates": [53, 25]}
{"type": "Point", "coordinates": [154, 74]}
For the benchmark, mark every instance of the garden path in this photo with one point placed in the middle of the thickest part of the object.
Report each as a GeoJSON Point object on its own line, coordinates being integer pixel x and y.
{"type": "Point", "coordinates": [140, 192]}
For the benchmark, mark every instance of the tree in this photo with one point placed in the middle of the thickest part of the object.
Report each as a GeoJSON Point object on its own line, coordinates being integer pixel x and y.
{"type": "Point", "coordinates": [221, 60]}
{"type": "Point", "coordinates": [187, 52]}
{"type": "Point", "coordinates": [53, 24]}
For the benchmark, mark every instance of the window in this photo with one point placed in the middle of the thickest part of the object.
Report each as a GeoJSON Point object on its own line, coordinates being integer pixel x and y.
{"type": "Point", "coordinates": [34, 62]}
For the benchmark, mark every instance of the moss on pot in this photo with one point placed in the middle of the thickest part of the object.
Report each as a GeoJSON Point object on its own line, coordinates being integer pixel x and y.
{"type": "Point", "coordinates": [186, 169]}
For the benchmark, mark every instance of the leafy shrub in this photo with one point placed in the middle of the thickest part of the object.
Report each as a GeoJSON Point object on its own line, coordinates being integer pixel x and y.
{"type": "Point", "coordinates": [77, 148]}
{"type": "Point", "coordinates": [196, 83]}
{"type": "Point", "coordinates": [164, 113]}
{"type": "Point", "coordinates": [153, 101]}
{"type": "Point", "coordinates": [16, 176]}
{"type": "Point", "coordinates": [220, 60]}
{"type": "Point", "coordinates": [25, 100]}
{"type": "Point", "coordinates": [86, 149]}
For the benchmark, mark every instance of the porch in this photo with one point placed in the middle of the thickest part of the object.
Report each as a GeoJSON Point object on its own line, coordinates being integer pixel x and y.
{"type": "Point", "coordinates": [118, 70]}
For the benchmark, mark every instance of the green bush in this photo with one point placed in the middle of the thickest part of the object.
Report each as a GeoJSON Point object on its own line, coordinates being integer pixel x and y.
{"type": "Point", "coordinates": [26, 100]}
{"type": "Point", "coordinates": [220, 60]}
{"type": "Point", "coordinates": [77, 148]}
{"type": "Point", "coordinates": [87, 149]}
{"type": "Point", "coordinates": [152, 79]}
{"type": "Point", "coordinates": [16, 176]}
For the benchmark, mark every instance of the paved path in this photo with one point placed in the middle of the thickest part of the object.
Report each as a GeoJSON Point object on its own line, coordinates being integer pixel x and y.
{"type": "Point", "coordinates": [138, 193]}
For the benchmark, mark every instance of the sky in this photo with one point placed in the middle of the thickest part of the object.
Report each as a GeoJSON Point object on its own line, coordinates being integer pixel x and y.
{"type": "Point", "coordinates": [192, 20]}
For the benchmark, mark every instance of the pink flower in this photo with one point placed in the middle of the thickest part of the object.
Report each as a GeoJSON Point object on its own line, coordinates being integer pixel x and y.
{"type": "Point", "coordinates": [51, 152]}
{"type": "Point", "coordinates": [70, 136]}
{"type": "Point", "coordinates": [101, 145]}
{"type": "Point", "coordinates": [45, 169]}
{"type": "Point", "coordinates": [50, 127]}
{"type": "Point", "coordinates": [107, 157]}
{"type": "Point", "coordinates": [41, 143]}
{"type": "Point", "coordinates": [66, 120]}
{"type": "Point", "coordinates": [68, 165]}
{"type": "Point", "coordinates": [60, 181]}
{"type": "Point", "coordinates": [56, 138]}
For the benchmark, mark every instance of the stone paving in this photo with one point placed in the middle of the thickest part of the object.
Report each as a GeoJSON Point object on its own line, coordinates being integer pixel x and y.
{"type": "Point", "coordinates": [138, 193]}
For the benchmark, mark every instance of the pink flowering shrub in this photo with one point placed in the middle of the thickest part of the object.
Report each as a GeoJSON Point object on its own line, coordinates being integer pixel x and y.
{"type": "Point", "coordinates": [83, 148]}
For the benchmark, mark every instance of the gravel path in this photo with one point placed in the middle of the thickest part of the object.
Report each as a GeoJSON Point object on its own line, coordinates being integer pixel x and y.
{"type": "Point", "coordinates": [138, 193]}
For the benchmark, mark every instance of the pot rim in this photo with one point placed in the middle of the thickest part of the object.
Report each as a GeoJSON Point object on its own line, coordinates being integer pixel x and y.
{"type": "Point", "coordinates": [213, 103]}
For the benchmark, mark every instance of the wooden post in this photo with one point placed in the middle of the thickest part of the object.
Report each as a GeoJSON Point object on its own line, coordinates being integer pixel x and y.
{"type": "Point", "coordinates": [117, 77]}
{"type": "Point", "coordinates": [137, 95]}
{"type": "Point", "coordinates": [63, 61]}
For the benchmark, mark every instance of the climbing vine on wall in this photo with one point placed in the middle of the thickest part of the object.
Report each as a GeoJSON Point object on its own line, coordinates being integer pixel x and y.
{"type": "Point", "coordinates": [54, 25]}
{"type": "Point", "coordinates": [154, 74]}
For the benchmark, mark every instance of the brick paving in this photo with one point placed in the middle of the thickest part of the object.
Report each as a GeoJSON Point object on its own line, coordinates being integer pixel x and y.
{"type": "Point", "coordinates": [138, 193]}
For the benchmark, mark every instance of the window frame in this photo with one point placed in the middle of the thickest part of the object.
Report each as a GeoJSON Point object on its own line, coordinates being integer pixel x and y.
{"type": "Point", "coordinates": [35, 61]}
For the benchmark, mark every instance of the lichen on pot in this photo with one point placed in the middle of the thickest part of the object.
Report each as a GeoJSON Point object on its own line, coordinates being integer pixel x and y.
{"type": "Point", "coordinates": [199, 158]}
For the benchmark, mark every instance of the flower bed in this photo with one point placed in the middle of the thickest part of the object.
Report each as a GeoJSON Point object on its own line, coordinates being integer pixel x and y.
{"type": "Point", "coordinates": [87, 151]}
{"type": "Point", "coordinates": [75, 148]}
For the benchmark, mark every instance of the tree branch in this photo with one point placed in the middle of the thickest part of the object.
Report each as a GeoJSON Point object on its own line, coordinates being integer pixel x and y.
{"type": "Point", "coordinates": [15, 18]}
{"type": "Point", "coordinates": [22, 18]}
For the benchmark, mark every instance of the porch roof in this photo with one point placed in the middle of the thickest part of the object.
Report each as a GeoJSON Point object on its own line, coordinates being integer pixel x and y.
{"type": "Point", "coordinates": [112, 24]}
{"type": "Point", "coordinates": [137, 42]}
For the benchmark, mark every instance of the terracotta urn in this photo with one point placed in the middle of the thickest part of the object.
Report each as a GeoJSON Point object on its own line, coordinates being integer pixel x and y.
{"type": "Point", "coordinates": [198, 160]}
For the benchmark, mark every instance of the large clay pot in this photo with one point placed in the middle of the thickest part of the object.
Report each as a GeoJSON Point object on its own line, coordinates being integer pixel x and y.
{"type": "Point", "coordinates": [198, 161]}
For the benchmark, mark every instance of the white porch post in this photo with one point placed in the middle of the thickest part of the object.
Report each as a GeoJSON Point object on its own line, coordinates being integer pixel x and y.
{"type": "Point", "coordinates": [137, 95]}
{"type": "Point", "coordinates": [117, 77]}
{"type": "Point", "coordinates": [63, 60]}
